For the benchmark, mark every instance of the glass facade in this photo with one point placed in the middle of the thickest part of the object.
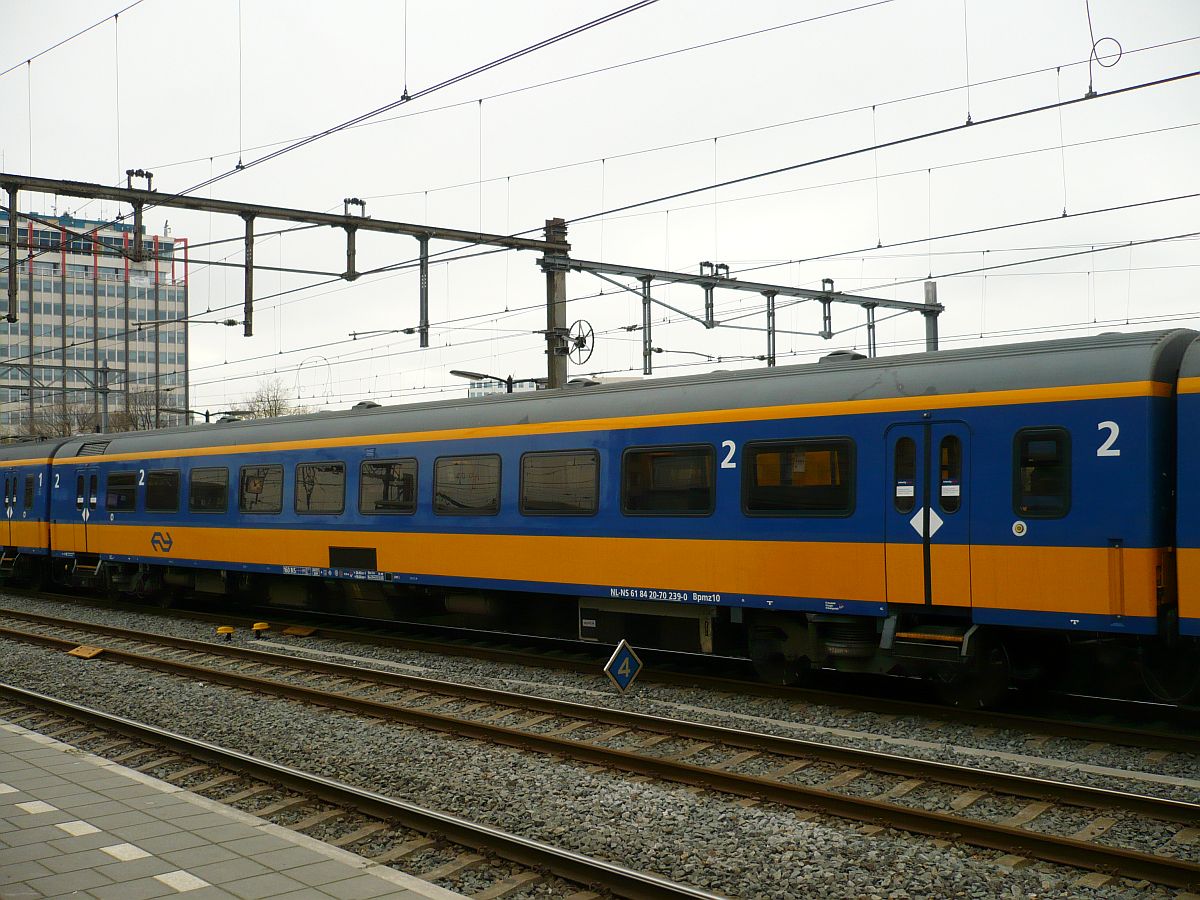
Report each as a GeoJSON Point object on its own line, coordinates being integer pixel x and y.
{"type": "Point", "coordinates": [83, 305]}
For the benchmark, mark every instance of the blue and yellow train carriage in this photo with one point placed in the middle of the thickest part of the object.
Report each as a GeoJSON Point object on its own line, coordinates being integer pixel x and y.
{"type": "Point", "coordinates": [961, 513]}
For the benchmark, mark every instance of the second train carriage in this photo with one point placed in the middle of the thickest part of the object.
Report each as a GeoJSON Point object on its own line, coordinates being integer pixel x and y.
{"type": "Point", "coordinates": [963, 514]}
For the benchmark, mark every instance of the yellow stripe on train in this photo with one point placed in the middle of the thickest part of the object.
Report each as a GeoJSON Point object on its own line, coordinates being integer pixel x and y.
{"type": "Point", "coordinates": [1090, 580]}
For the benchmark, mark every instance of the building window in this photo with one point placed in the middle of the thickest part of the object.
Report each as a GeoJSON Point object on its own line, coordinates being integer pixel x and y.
{"type": "Point", "coordinates": [798, 478]}
{"type": "Point", "coordinates": [162, 491]}
{"type": "Point", "coordinates": [1042, 473]}
{"type": "Point", "coordinates": [387, 486]}
{"type": "Point", "coordinates": [260, 489]}
{"type": "Point", "coordinates": [120, 492]}
{"type": "Point", "coordinates": [560, 484]}
{"type": "Point", "coordinates": [466, 485]}
{"type": "Point", "coordinates": [667, 481]}
{"type": "Point", "coordinates": [321, 488]}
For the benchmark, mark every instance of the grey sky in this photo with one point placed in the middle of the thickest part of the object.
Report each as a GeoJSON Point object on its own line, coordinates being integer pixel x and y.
{"type": "Point", "coordinates": [306, 66]}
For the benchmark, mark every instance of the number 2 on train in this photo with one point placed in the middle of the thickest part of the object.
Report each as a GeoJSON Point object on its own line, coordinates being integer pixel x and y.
{"type": "Point", "coordinates": [1107, 448]}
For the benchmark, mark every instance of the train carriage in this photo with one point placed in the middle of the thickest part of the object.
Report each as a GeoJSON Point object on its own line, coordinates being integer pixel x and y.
{"type": "Point", "coordinates": [25, 470]}
{"type": "Point", "coordinates": [965, 514]}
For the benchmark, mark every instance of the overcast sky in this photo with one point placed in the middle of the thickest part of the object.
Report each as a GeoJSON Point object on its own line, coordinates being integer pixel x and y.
{"type": "Point", "coordinates": [186, 89]}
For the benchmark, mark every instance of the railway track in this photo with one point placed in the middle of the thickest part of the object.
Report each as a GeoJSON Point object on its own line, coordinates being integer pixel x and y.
{"type": "Point", "coordinates": [808, 775]}
{"type": "Point", "coordinates": [305, 802]}
{"type": "Point", "coordinates": [1087, 728]}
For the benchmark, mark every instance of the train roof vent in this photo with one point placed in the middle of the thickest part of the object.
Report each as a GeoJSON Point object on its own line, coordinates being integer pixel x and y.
{"type": "Point", "coordinates": [842, 356]}
{"type": "Point", "coordinates": [365, 404]}
{"type": "Point", "coordinates": [92, 448]}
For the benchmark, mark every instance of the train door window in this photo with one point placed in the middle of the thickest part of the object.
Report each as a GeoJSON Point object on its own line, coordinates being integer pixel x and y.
{"type": "Point", "coordinates": [120, 491]}
{"type": "Point", "coordinates": [667, 481]}
{"type": "Point", "coordinates": [387, 487]}
{"type": "Point", "coordinates": [92, 491]}
{"type": "Point", "coordinates": [208, 490]}
{"type": "Point", "coordinates": [79, 498]}
{"type": "Point", "coordinates": [950, 474]}
{"type": "Point", "coordinates": [904, 469]}
{"type": "Point", "coordinates": [162, 491]}
{"type": "Point", "coordinates": [260, 489]}
{"type": "Point", "coordinates": [7, 486]}
{"type": "Point", "coordinates": [1042, 473]}
{"type": "Point", "coordinates": [466, 485]}
{"type": "Point", "coordinates": [560, 484]}
{"type": "Point", "coordinates": [798, 478]}
{"type": "Point", "coordinates": [321, 488]}
{"type": "Point", "coordinates": [29, 492]}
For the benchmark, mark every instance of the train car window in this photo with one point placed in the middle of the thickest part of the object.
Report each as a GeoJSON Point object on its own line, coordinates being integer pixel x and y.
{"type": "Point", "coordinates": [7, 485]}
{"type": "Point", "coordinates": [321, 487]}
{"type": "Point", "coordinates": [92, 481]}
{"type": "Point", "coordinates": [260, 489]}
{"type": "Point", "coordinates": [120, 491]}
{"type": "Point", "coordinates": [387, 487]}
{"type": "Point", "coordinates": [904, 468]}
{"type": "Point", "coordinates": [208, 490]}
{"type": "Point", "coordinates": [667, 481]}
{"type": "Point", "coordinates": [1042, 473]}
{"type": "Point", "coordinates": [79, 499]}
{"type": "Point", "coordinates": [798, 478]}
{"type": "Point", "coordinates": [560, 484]}
{"type": "Point", "coordinates": [162, 491]}
{"type": "Point", "coordinates": [466, 485]}
{"type": "Point", "coordinates": [950, 474]}
{"type": "Point", "coordinates": [29, 492]}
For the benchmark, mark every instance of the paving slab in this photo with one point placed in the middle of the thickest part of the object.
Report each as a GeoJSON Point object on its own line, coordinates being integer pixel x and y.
{"type": "Point", "coordinates": [71, 822]}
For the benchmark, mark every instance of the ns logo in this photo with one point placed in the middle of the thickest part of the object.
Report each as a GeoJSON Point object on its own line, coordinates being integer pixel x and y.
{"type": "Point", "coordinates": [162, 541]}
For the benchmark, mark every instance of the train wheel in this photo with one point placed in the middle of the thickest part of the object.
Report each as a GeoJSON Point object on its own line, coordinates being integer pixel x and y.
{"type": "Point", "coordinates": [1171, 674]}
{"type": "Point", "coordinates": [979, 682]}
{"type": "Point", "coordinates": [775, 657]}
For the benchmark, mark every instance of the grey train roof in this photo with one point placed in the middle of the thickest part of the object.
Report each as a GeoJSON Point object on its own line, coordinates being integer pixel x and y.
{"type": "Point", "coordinates": [1106, 358]}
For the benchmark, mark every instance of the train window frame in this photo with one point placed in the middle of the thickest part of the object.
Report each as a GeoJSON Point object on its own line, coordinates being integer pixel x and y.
{"type": "Point", "coordinates": [907, 502]}
{"type": "Point", "coordinates": [390, 461]}
{"type": "Point", "coordinates": [157, 475]}
{"type": "Point", "coordinates": [816, 443]}
{"type": "Point", "coordinates": [192, 507]}
{"type": "Point", "coordinates": [242, 470]}
{"type": "Point", "coordinates": [709, 449]}
{"type": "Point", "coordinates": [595, 498]}
{"type": "Point", "coordinates": [132, 488]}
{"type": "Point", "coordinates": [296, 488]}
{"type": "Point", "coordinates": [437, 511]}
{"type": "Point", "coordinates": [943, 483]}
{"type": "Point", "coordinates": [1041, 431]}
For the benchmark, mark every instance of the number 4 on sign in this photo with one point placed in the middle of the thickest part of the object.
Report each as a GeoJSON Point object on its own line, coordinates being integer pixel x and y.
{"type": "Point", "coordinates": [623, 667]}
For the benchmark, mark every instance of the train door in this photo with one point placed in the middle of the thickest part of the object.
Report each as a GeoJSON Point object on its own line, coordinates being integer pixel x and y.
{"type": "Point", "coordinates": [11, 508]}
{"type": "Point", "coordinates": [84, 493]}
{"type": "Point", "coordinates": [927, 514]}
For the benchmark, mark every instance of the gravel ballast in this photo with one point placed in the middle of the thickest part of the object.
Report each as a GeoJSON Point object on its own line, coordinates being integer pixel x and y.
{"type": "Point", "coordinates": [710, 841]}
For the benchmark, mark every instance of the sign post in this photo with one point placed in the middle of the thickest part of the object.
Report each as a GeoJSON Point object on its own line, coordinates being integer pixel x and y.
{"type": "Point", "coordinates": [623, 667]}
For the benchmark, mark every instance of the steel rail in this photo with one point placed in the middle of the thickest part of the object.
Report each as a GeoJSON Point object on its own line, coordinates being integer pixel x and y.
{"type": "Point", "coordinates": [905, 766]}
{"type": "Point", "coordinates": [1009, 839]}
{"type": "Point", "coordinates": [1086, 731]}
{"type": "Point", "coordinates": [525, 851]}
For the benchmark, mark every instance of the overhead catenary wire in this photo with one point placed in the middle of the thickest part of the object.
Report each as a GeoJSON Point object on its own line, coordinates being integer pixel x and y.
{"type": "Point", "coordinates": [67, 40]}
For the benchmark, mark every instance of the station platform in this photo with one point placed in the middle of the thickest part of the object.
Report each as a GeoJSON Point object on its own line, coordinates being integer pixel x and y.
{"type": "Point", "coordinates": [73, 824]}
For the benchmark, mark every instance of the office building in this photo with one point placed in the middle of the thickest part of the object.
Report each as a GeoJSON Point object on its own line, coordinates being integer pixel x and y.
{"type": "Point", "coordinates": [94, 317]}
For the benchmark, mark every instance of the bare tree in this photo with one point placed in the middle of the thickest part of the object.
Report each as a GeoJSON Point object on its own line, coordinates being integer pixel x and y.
{"type": "Point", "coordinates": [272, 399]}
{"type": "Point", "coordinates": [64, 419]}
{"type": "Point", "coordinates": [139, 412]}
